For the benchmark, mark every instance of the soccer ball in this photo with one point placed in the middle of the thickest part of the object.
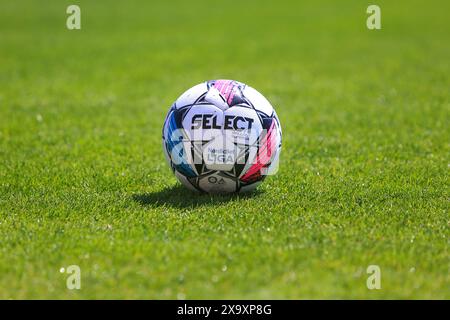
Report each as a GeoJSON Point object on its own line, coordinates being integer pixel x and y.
{"type": "Point", "coordinates": [222, 136]}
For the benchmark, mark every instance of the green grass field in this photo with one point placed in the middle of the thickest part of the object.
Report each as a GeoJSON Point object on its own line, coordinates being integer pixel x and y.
{"type": "Point", "coordinates": [364, 170]}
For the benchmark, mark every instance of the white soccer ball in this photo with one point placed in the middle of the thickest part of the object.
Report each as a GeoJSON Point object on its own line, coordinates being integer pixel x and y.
{"type": "Point", "coordinates": [222, 136]}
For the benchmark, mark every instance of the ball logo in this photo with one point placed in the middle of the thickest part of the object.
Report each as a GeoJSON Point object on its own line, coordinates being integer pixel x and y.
{"type": "Point", "coordinates": [209, 121]}
{"type": "Point", "coordinates": [220, 156]}
{"type": "Point", "coordinates": [214, 180]}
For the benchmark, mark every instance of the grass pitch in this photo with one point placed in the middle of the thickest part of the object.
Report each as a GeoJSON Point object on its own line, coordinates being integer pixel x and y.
{"type": "Point", "coordinates": [363, 176]}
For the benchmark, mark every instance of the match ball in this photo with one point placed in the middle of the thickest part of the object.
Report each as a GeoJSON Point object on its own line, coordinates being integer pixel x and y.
{"type": "Point", "coordinates": [222, 136]}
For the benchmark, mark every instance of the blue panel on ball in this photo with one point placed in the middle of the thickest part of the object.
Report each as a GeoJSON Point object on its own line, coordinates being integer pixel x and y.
{"type": "Point", "coordinates": [174, 141]}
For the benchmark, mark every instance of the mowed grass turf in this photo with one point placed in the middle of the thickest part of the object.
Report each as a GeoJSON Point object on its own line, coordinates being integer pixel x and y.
{"type": "Point", "coordinates": [364, 170]}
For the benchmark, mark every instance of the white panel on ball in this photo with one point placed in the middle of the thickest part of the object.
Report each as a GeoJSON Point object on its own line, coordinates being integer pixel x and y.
{"type": "Point", "coordinates": [258, 100]}
{"type": "Point", "coordinates": [200, 122]}
{"type": "Point", "coordinates": [248, 125]}
{"type": "Point", "coordinates": [191, 95]}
